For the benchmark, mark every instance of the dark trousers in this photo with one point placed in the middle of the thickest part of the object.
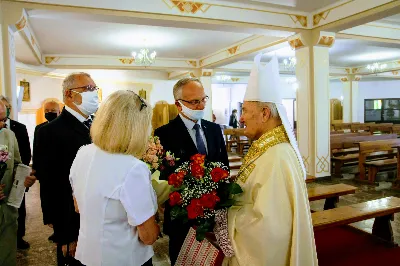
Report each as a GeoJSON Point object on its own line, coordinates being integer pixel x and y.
{"type": "Point", "coordinates": [148, 263]}
{"type": "Point", "coordinates": [21, 220]}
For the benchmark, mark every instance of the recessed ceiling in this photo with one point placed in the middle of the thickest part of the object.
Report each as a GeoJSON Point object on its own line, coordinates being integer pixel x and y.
{"type": "Point", "coordinates": [300, 5]}
{"type": "Point", "coordinates": [348, 53]}
{"type": "Point", "coordinates": [68, 36]}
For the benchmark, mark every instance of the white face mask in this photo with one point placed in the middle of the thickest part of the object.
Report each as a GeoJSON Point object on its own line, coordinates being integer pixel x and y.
{"type": "Point", "coordinates": [192, 114]}
{"type": "Point", "coordinates": [90, 102]}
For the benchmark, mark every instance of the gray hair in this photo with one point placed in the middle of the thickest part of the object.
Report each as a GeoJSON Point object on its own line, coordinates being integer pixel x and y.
{"type": "Point", "coordinates": [69, 81]}
{"type": "Point", "coordinates": [179, 85]}
{"type": "Point", "coordinates": [271, 107]}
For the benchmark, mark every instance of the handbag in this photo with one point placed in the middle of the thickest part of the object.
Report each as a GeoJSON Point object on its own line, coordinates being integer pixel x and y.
{"type": "Point", "coordinates": [197, 253]}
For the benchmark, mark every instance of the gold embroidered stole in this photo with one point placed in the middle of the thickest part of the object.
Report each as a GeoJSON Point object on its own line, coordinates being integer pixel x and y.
{"type": "Point", "coordinates": [271, 138]}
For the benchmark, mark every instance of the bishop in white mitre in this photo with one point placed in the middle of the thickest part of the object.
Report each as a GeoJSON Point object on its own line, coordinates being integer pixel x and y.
{"type": "Point", "coordinates": [270, 223]}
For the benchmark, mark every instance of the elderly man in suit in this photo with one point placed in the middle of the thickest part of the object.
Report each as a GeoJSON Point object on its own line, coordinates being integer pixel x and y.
{"type": "Point", "coordinates": [51, 112]}
{"type": "Point", "coordinates": [21, 133]}
{"type": "Point", "coordinates": [9, 214]}
{"type": "Point", "coordinates": [186, 135]}
{"type": "Point", "coordinates": [64, 136]}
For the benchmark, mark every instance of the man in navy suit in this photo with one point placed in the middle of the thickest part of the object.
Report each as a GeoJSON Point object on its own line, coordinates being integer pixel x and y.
{"type": "Point", "coordinates": [186, 135]}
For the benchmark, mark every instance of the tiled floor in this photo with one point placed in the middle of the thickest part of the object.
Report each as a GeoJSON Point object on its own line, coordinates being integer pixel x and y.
{"type": "Point", "coordinates": [42, 252]}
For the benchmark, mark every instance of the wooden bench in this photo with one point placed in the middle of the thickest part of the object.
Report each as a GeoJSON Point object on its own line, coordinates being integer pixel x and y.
{"type": "Point", "coordinates": [369, 147]}
{"type": "Point", "coordinates": [382, 210]}
{"type": "Point", "coordinates": [234, 158]}
{"type": "Point", "coordinates": [346, 151]}
{"type": "Point", "coordinates": [396, 184]}
{"type": "Point", "coordinates": [235, 165]}
{"type": "Point", "coordinates": [330, 193]}
{"type": "Point", "coordinates": [376, 166]}
{"type": "Point", "coordinates": [343, 126]}
{"type": "Point", "coordinates": [384, 128]}
{"type": "Point", "coordinates": [396, 130]}
{"type": "Point", "coordinates": [361, 127]}
{"type": "Point", "coordinates": [230, 139]}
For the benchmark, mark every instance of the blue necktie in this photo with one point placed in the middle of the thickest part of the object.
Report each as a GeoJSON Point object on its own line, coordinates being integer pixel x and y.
{"type": "Point", "coordinates": [199, 140]}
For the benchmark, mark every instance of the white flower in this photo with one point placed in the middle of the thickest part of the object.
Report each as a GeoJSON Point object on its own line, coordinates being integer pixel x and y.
{"type": "Point", "coordinates": [3, 148]}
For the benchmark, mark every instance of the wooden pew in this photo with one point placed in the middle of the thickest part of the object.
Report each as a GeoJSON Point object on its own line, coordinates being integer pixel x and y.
{"type": "Point", "coordinates": [230, 138]}
{"type": "Point", "coordinates": [382, 210]}
{"type": "Point", "coordinates": [369, 147]}
{"type": "Point", "coordinates": [234, 158]}
{"type": "Point", "coordinates": [384, 128]}
{"type": "Point", "coordinates": [235, 165]}
{"type": "Point", "coordinates": [346, 151]}
{"type": "Point", "coordinates": [396, 130]}
{"type": "Point", "coordinates": [361, 127]}
{"type": "Point", "coordinates": [330, 193]}
{"type": "Point", "coordinates": [343, 126]}
{"type": "Point", "coordinates": [396, 184]}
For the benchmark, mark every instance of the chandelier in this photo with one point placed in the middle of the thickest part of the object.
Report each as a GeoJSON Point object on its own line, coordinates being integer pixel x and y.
{"type": "Point", "coordinates": [290, 64]}
{"type": "Point", "coordinates": [223, 78]}
{"type": "Point", "coordinates": [376, 67]}
{"type": "Point", "coordinates": [144, 58]}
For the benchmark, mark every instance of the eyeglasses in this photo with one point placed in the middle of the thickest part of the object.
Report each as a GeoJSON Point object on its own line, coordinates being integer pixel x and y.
{"type": "Point", "coordinates": [142, 102]}
{"type": "Point", "coordinates": [87, 88]}
{"type": "Point", "coordinates": [196, 102]}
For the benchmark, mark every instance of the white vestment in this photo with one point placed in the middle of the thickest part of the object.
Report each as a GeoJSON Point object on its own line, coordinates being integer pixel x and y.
{"type": "Point", "coordinates": [270, 223]}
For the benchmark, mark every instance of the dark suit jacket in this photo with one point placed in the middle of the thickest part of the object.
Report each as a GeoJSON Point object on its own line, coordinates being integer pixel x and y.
{"type": "Point", "coordinates": [23, 141]}
{"type": "Point", "coordinates": [55, 150]}
{"type": "Point", "coordinates": [175, 138]}
{"type": "Point", "coordinates": [35, 144]}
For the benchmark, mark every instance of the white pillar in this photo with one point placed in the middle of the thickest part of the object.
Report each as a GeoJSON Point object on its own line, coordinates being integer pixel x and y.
{"type": "Point", "coordinates": [313, 101]}
{"type": "Point", "coordinates": [354, 99]}
{"type": "Point", "coordinates": [11, 22]}
{"type": "Point", "coordinates": [347, 110]}
{"type": "Point", "coordinates": [206, 80]}
{"type": "Point", "coordinates": [350, 98]}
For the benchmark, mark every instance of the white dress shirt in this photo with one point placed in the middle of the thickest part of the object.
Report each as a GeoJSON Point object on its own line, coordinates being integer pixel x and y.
{"type": "Point", "coordinates": [78, 116]}
{"type": "Point", "coordinates": [192, 132]}
{"type": "Point", "coordinates": [114, 196]}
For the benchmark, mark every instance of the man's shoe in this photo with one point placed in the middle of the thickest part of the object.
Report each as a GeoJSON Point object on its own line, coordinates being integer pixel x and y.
{"type": "Point", "coordinates": [22, 244]}
{"type": "Point", "coordinates": [51, 238]}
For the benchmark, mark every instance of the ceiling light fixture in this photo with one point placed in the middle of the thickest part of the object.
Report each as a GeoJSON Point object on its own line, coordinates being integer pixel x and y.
{"type": "Point", "coordinates": [223, 78]}
{"type": "Point", "coordinates": [376, 67]}
{"type": "Point", "coordinates": [290, 64]}
{"type": "Point", "coordinates": [144, 57]}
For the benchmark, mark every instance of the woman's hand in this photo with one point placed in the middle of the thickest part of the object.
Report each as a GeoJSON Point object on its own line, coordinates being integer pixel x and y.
{"type": "Point", "coordinates": [149, 231]}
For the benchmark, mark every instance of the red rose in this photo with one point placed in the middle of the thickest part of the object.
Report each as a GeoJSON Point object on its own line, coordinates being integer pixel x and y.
{"type": "Point", "coordinates": [198, 159]}
{"type": "Point", "coordinates": [195, 209]}
{"type": "Point", "coordinates": [209, 200]}
{"type": "Point", "coordinates": [197, 170]}
{"type": "Point", "coordinates": [175, 180]}
{"type": "Point", "coordinates": [218, 174]}
{"type": "Point", "coordinates": [175, 198]}
{"type": "Point", "coordinates": [172, 163]}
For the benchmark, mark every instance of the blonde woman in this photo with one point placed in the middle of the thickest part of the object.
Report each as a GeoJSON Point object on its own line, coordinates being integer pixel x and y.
{"type": "Point", "coordinates": [112, 187]}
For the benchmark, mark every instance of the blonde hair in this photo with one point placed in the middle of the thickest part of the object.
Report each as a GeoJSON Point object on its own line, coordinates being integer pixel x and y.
{"type": "Point", "coordinates": [120, 126]}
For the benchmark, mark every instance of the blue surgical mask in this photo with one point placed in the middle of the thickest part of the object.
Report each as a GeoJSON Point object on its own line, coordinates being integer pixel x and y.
{"type": "Point", "coordinates": [194, 115]}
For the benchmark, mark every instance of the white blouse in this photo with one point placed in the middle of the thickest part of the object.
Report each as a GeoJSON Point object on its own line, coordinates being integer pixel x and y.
{"type": "Point", "coordinates": [114, 196]}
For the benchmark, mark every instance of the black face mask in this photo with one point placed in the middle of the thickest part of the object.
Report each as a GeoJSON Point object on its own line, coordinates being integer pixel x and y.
{"type": "Point", "coordinates": [50, 116]}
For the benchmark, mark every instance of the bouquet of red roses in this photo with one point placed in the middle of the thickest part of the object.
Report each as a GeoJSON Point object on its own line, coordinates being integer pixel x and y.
{"type": "Point", "coordinates": [200, 188]}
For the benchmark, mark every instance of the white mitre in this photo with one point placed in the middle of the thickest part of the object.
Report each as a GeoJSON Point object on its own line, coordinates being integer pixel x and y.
{"type": "Point", "coordinates": [265, 86]}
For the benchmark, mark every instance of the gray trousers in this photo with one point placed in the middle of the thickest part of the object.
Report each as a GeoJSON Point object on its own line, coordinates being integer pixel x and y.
{"type": "Point", "coordinates": [8, 235]}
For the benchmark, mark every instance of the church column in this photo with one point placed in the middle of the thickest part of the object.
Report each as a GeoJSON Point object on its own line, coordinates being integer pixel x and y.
{"type": "Point", "coordinates": [11, 22]}
{"type": "Point", "coordinates": [346, 101]}
{"type": "Point", "coordinates": [206, 79]}
{"type": "Point", "coordinates": [350, 98]}
{"type": "Point", "coordinates": [313, 99]}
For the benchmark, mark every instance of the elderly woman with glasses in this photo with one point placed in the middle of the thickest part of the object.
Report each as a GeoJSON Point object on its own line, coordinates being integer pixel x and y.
{"type": "Point", "coordinates": [112, 187]}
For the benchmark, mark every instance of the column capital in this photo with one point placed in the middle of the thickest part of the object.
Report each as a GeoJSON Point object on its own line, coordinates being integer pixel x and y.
{"type": "Point", "coordinates": [321, 38]}
{"type": "Point", "coordinates": [207, 72]}
{"type": "Point", "coordinates": [350, 77]}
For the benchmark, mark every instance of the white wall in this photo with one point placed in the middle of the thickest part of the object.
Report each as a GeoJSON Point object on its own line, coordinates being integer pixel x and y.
{"type": "Point", "coordinates": [368, 89]}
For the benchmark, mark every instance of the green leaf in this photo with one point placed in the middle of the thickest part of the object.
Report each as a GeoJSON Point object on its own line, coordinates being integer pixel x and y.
{"type": "Point", "coordinates": [235, 189]}
{"type": "Point", "coordinates": [200, 236]}
{"type": "Point", "coordinates": [226, 204]}
{"type": "Point", "coordinates": [178, 213]}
